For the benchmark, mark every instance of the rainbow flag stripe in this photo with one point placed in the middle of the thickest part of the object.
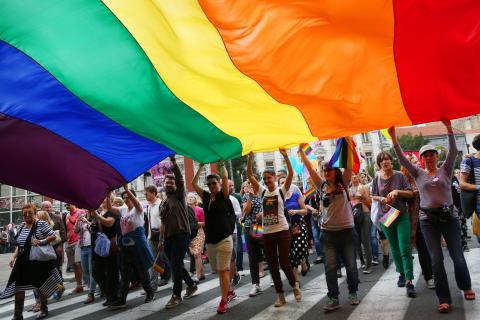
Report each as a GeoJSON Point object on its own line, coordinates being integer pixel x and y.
{"type": "Point", "coordinates": [345, 155]}
{"type": "Point", "coordinates": [307, 149]}
{"type": "Point", "coordinates": [309, 192]}
{"type": "Point", "coordinates": [389, 217]}
{"type": "Point", "coordinates": [100, 91]}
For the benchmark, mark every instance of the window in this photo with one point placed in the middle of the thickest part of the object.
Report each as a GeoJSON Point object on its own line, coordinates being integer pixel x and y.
{"type": "Point", "coordinates": [269, 165]}
{"type": "Point", "coordinates": [365, 137]}
{"type": "Point", "coordinates": [369, 158]}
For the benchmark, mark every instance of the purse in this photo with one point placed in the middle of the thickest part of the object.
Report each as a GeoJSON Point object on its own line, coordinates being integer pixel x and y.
{"type": "Point", "coordinates": [42, 253]}
{"type": "Point", "coordinates": [58, 239]}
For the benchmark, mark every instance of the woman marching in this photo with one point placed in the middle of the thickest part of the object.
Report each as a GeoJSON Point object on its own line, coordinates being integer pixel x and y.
{"type": "Point", "coordinates": [276, 234]}
{"type": "Point", "coordinates": [437, 216]}
{"type": "Point", "coordinates": [392, 190]}
{"type": "Point", "coordinates": [338, 230]}
{"type": "Point", "coordinates": [32, 233]}
{"type": "Point", "coordinates": [197, 243]}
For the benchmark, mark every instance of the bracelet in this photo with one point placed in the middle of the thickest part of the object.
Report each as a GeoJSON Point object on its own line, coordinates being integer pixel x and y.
{"type": "Point", "coordinates": [43, 242]}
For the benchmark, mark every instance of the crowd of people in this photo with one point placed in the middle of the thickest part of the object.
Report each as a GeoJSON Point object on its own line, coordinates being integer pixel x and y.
{"type": "Point", "coordinates": [120, 245]}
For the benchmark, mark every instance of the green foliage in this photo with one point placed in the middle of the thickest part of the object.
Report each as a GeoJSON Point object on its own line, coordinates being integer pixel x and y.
{"type": "Point", "coordinates": [239, 170]}
{"type": "Point", "coordinates": [412, 143]}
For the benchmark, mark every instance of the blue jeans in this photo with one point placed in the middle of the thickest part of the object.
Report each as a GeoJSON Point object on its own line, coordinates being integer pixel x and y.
{"type": "Point", "coordinates": [374, 240]}
{"type": "Point", "coordinates": [175, 247]}
{"type": "Point", "coordinates": [433, 228]}
{"type": "Point", "coordinates": [340, 244]}
{"type": "Point", "coordinates": [316, 238]}
{"type": "Point", "coordinates": [239, 247]}
{"type": "Point", "coordinates": [86, 261]}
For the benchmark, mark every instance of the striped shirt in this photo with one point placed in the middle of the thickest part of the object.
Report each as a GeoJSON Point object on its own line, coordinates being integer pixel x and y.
{"type": "Point", "coordinates": [466, 167]}
{"type": "Point", "coordinates": [43, 231]}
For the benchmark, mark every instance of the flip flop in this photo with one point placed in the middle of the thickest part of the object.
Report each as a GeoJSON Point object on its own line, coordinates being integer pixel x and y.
{"type": "Point", "coordinates": [444, 308]}
{"type": "Point", "coordinates": [469, 295]}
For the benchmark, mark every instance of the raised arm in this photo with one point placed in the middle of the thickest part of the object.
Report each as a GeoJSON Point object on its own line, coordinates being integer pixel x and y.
{"type": "Point", "coordinates": [180, 183]}
{"type": "Point", "coordinates": [222, 170]}
{"type": "Point", "coordinates": [289, 179]}
{"type": "Point", "coordinates": [317, 180]}
{"type": "Point", "coordinates": [250, 175]}
{"type": "Point", "coordinates": [401, 157]}
{"type": "Point", "coordinates": [452, 148]}
{"type": "Point", "coordinates": [195, 185]}
{"type": "Point", "coordinates": [347, 176]}
{"type": "Point", "coordinates": [136, 203]}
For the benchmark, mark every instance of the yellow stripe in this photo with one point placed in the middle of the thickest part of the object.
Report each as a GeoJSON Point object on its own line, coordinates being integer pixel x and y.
{"type": "Point", "coordinates": [189, 55]}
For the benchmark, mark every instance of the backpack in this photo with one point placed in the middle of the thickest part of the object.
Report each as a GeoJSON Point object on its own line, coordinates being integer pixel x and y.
{"type": "Point", "coordinates": [192, 220]}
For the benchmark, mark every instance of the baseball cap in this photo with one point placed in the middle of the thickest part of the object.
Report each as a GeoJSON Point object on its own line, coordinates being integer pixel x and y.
{"type": "Point", "coordinates": [427, 147]}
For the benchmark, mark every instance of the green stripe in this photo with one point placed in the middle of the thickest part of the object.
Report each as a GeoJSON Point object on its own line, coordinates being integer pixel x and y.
{"type": "Point", "coordinates": [88, 50]}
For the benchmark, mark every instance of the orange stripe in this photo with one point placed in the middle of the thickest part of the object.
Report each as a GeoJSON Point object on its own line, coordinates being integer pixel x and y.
{"type": "Point", "coordinates": [331, 59]}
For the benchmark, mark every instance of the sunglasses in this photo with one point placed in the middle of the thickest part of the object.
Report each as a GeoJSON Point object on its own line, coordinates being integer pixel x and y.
{"type": "Point", "coordinates": [211, 184]}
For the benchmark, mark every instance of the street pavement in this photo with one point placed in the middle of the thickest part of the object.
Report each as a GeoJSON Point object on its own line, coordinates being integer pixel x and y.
{"type": "Point", "coordinates": [381, 299]}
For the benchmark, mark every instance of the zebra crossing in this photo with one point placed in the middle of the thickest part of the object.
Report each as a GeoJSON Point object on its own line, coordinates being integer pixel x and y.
{"type": "Point", "coordinates": [381, 299]}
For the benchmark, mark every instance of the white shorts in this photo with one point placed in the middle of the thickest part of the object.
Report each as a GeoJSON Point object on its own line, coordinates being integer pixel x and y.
{"type": "Point", "coordinates": [220, 254]}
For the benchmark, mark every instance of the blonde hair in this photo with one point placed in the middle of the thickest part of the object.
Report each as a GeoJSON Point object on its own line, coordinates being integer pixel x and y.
{"type": "Point", "coordinates": [119, 201]}
{"type": "Point", "coordinates": [43, 215]}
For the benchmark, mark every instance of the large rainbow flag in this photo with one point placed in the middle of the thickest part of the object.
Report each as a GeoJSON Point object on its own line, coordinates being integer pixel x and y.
{"type": "Point", "coordinates": [93, 93]}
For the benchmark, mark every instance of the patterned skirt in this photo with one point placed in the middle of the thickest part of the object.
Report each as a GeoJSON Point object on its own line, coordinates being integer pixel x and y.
{"type": "Point", "coordinates": [299, 245]}
{"type": "Point", "coordinates": [197, 243]}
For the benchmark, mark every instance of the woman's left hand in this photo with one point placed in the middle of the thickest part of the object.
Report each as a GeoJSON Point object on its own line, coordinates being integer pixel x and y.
{"type": "Point", "coordinates": [392, 195]}
{"type": "Point", "coordinates": [292, 212]}
{"type": "Point", "coordinates": [36, 242]}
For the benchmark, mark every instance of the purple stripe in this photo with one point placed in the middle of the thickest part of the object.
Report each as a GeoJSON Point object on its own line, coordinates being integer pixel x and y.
{"type": "Point", "coordinates": [29, 153]}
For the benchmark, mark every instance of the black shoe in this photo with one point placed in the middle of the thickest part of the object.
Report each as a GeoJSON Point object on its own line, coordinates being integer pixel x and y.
{"type": "Point", "coordinates": [401, 281]}
{"type": "Point", "coordinates": [236, 279]}
{"type": "Point", "coordinates": [318, 260]}
{"type": "Point", "coordinates": [386, 261]}
{"type": "Point", "coordinates": [117, 305]}
{"type": "Point", "coordinates": [411, 293]}
{"type": "Point", "coordinates": [150, 296]}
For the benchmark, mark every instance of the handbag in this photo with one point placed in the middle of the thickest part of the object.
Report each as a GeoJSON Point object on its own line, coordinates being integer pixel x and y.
{"type": "Point", "coordinates": [476, 225]}
{"type": "Point", "coordinates": [58, 239]}
{"type": "Point", "coordinates": [357, 211]}
{"type": "Point", "coordinates": [468, 199]}
{"type": "Point", "coordinates": [102, 245]}
{"type": "Point", "coordinates": [42, 253]}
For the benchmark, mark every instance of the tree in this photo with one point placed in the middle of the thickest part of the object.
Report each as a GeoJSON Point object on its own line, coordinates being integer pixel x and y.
{"type": "Point", "coordinates": [408, 142]}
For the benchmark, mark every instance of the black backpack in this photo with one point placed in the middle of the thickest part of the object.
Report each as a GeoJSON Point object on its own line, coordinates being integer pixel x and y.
{"type": "Point", "coordinates": [192, 220]}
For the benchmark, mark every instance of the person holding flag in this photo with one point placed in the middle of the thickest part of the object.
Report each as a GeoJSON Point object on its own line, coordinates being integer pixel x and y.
{"type": "Point", "coordinates": [337, 225]}
{"type": "Point", "coordinates": [392, 190]}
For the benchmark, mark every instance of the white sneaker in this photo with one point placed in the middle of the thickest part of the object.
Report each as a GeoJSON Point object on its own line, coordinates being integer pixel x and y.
{"type": "Point", "coordinates": [256, 290]}
{"type": "Point", "coordinates": [430, 284]}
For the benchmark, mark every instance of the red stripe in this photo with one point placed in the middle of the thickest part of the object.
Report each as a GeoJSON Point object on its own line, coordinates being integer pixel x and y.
{"type": "Point", "coordinates": [437, 53]}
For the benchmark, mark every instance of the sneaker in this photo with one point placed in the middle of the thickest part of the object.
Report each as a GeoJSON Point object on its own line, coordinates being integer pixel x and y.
{"type": "Point", "coordinates": [466, 249]}
{"type": "Point", "coordinates": [280, 301]}
{"type": "Point", "coordinates": [386, 261]}
{"type": "Point", "coordinates": [339, 273]}
{"type": "Point", "coordinates": [150, 296]}
{"type": "Point", "coordinates": [411, 293]}
{"type": "Point", "coordinates": [353, 298]}
{"type": "Point", "coordinates": [318, 260]}
{"type": "Point", "coordinates": [236, 280]}
{"type": "Point", "coordinates": [173, 302]}
{"type": "Point", "coordinates": [60, 291]}
{"type": "Point", "coordinates": [431, 284]}
{"type": "Point", "coordinates": [401, 281]}
{"type": "Point", "coordinates": [363, 266]}
{"type": "Point", "coordinates": [256, 290]}
{"type": "Point", "coordinates": [297, 292]}
{"type": "Point", "coordinates": [331, 305]}
{"type": "Point", "coordinates": [117, 305]}
{"type": "Point", "coordinates": [231, 295]}
{"type": "Point", "coordinates": [367, 271]}
{"type": "Point", "coordinates": [222, 306]}
{"type": "Point", "coordinates": [190, 291]}
{"type": "Point", "coordinates": [375, 261]}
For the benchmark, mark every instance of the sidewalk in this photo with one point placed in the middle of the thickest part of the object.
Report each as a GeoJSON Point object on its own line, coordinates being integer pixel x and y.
{"type": "Point", "coordinates": [5, 271]}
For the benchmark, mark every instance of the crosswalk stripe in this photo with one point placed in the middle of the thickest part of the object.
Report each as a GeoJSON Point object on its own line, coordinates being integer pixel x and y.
{"type": "Point", "coordinates": [159, 304]}
{"type": "Point", "coordinates": [384, 299]}
{"type": "Point", "coordinates": [209, 309]}
{"type": "Point", "coordinates": [472, 308]}
{"type": "Point", "coordinates": [314, 291]}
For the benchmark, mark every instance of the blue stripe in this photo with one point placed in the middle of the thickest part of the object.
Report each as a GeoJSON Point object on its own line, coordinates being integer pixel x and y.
{"type": "Point", "coordinates": [30, 93]}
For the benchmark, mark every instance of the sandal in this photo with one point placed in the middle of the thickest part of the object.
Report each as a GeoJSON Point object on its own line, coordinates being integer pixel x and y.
{"type": "Point", "coordinates": [469, 294]}
{"type": "Point", "coordinates": [444, 308]}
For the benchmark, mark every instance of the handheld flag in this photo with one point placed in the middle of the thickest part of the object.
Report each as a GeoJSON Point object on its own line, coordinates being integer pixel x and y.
{"type": "Point", "coordinates": [389, 217]}
{"type": "Point", "coordinates": [345, 155]}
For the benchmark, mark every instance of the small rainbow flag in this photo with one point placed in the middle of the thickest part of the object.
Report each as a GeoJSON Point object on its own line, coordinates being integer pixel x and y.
{"type": "Point", "coordinates": [257, 231]}
{"type": "Point", "coordinates": [307, 149]}
{"type": "Point", "coordinates": [159, 265]}
{"type": "Point", "coordinates": [389, 217]}
{"type": "Point", "coordinates": [310, 192]}
{"type": "Point", "coordinates": [345, 155]}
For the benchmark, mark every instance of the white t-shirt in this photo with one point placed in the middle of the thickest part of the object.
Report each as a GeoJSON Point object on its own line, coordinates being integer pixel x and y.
{"type": "Point", "coordinates": [130, 220]}
{"type": "Point", "coordinates": [237, 208]}
{"type": "Point", "coordinates": [153, 215]}
{"type": "Point", "coordinates": [274, 219]}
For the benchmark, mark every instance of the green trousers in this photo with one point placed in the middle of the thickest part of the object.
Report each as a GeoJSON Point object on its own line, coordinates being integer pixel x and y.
{"type": "Point", "coordinates": [398, 235]}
